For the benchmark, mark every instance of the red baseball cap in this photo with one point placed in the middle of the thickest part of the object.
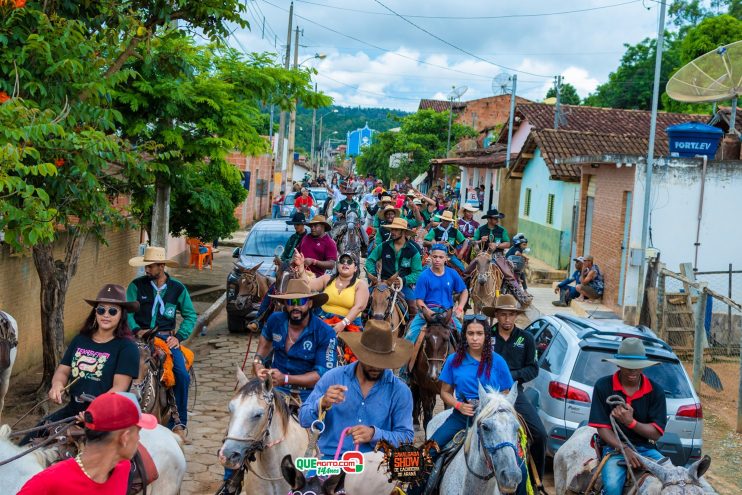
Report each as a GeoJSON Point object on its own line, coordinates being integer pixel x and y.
{"type": "Point", "coordinates": [116, 411]}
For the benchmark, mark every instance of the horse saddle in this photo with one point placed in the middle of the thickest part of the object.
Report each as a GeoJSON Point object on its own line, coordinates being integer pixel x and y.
{"type": "Point", "coordinates": [445, 456]}
{"type": "Point", "coordinates": [504, 267]}
{"type": "Point", "coordinates": [143, 471]}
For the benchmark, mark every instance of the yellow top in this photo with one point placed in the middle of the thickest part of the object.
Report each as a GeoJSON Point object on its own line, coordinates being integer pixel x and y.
{"type": "Point", "coordinates": [340, 301]}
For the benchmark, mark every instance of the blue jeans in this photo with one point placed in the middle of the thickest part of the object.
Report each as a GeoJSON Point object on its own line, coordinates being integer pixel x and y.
{"type": "Point", "coordinates": [614, 476]}
{"type": "Point", "coordinates": [182, 382]}
{"type": "Point", "coordinates": [275, 211]}
{"type": "Point", "coordinates": [418, 322]}
{"type": "Point", "coordinates": [459, 264]}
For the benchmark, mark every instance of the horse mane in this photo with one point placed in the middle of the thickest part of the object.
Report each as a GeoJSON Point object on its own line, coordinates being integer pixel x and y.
{"type": "Point", "coordinates": [5, 432]}
{"type": "Point", "coordinates": [255, 387]}
{"type": "Point", "coordinates": [494, 401]}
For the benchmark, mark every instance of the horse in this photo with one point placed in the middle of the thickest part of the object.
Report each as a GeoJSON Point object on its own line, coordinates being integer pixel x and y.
{"type": "Point", "coordinates": [253, 286]}
{"type": "Point", "coordinates": [348, 236]}
{"type": "Point", "coordinates": [383, 303]}
{"type": "Point", "coordinates": [260, 434]}
{"type": "Point", "coordinates": [575, 460]}
{"type": "Point", "coordinates": [8, 352]}
{"type": "Point", "coordinates": [300, 485]}
{"type": "Point", "coordinates": [485, 281]}
{"type": "Point", "coordinates": [154, 398]}
{"type": "Point", "coordinates": [433, 347]}
{"type": "Point", "coordinates": [489, 461]}
{"type": "Point", "coordinates": [161, 443]}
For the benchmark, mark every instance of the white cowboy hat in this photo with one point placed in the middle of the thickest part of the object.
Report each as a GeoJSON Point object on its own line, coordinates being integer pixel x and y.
{"type": "Point", "coordinates": [153, 255]}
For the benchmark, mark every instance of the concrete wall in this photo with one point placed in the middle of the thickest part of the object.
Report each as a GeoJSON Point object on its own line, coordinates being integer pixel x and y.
{"type": "Point", "coordinates": [255, 206]}
{"type": "Point", "coordinates": [20, 288]}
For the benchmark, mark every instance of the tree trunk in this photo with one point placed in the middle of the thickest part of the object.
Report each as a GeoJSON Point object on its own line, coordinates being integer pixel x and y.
{"type": "Point", "coordinates": [55, 276]}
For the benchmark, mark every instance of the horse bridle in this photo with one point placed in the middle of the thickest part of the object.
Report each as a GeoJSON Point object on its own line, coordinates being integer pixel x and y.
{"type": "Point", "coordinates": [491, 450]}
{"type": "Point", "coordinates": [259, 442]}
{"type": "Point", "coordinates": [392, 299]}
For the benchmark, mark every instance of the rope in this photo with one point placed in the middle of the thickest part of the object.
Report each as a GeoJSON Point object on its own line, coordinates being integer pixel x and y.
{"type": "Point", "coordinates": [340, 442]}
{"type": "Point", "coordinates": [617, 400]}
{"type": "Point", "coordinates": [20, 433]}
{"type": "Point", "coordinates": [46, 442]}
{"type": "Point", "coordinates": [43, 401]}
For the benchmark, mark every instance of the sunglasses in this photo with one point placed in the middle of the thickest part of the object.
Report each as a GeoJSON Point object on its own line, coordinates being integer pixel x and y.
{"type": "Point", "coordinates": [101, 310]}
{"type": "Point", "coordinates": [475, 317]}
{"type": "Point", "coordinates": [300, 301]}
{"type": "Point", "coordinates": [346, 261]}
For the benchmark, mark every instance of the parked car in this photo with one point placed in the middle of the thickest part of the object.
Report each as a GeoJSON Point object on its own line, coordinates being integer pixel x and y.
{"type": "Point", "coordinates": [261, 245]}
{"type": "Point", "coordinates": [320, 196]}
{"type": "Point", "coordinates": [570, 352]}
{"type": "Point", "coordinates": [287, 209]}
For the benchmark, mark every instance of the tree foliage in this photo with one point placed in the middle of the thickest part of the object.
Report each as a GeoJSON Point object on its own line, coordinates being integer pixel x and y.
{"type": "Point", "coordinates": [568, 95]}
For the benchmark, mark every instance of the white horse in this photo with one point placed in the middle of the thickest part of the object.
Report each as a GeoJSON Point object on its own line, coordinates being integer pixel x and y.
{"type": "Point", "coordinates": [5, 373]}
{"type": "Point", "coordinates": [488, 462]}
{"type": "Point", "coordinates": [575, 460]}
{"type": "Point", "coordinates": [161, 443]}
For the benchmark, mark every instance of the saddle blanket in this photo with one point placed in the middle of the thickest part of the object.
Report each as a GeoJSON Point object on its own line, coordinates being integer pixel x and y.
{"type": "Point", "coordinates": [168, 378]}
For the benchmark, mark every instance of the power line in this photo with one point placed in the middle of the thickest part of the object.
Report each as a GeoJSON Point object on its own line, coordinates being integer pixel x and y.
{"type": "Point", "coordinates": [469, 18]}
{"type": "Point", "coordinates": [368, 92]}
{"type": "Point", "coordinates": [267, 24]}
{"type": "Point", "coordinates": [459, 48]}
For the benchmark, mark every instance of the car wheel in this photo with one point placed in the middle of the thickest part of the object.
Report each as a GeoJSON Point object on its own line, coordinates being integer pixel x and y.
{"type": "Point", "coordinates": [235, 323]}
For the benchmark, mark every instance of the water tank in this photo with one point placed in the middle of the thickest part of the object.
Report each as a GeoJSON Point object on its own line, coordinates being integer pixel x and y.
{"type": "Point", "coordinates": [693, 138]}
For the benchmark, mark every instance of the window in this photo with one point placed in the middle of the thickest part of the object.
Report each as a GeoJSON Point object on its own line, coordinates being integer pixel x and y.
{"type": "Point", "coordinates": [550, 210]}
{"type": "Point", "coordinates": [543, 340]}
{"type": "Point", "coordinates": [554, 357]}
{"type": "Point", "coordinates": [527, 203]}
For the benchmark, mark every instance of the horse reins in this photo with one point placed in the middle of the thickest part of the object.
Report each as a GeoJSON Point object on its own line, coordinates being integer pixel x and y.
{"type": "Point", "coordinates": [489, 450]}
{"type": "Point", "coordinates": [44, 401]}
{"type": "Point", "coordinates": [48, 441]}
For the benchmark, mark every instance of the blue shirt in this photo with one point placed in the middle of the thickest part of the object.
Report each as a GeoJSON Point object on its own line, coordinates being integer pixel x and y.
{"type": "Point", "coordinates": [314, 350]}
{"type": "Point", "coordinates": [438, 290]}
{"type": "Point", "coordinates": [574, 278]}
{"type": "Point", "coordinates": [465, 381]}
{"type": "Point", "coordinates": [387, 407]}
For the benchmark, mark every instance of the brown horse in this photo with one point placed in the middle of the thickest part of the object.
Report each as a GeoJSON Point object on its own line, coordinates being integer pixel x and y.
{"type": "Point", "coordinates": [385, 302]}
{"type": "Point", "coordinates": [252, 286]}
{"type": "Point", "coordinates": [432, 348]}
{"type": "Point", "coordinates": [485, 281]}
{"type": "Point", "coordinates": [154, 397]}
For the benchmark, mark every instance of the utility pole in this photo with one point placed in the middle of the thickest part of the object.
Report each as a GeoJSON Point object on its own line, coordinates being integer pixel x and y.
{"type": "Point", "coordinates": [292, 121]}
{"type": "Point", "coordinates": [510, 121]}
{"type": "Point", "coordinates": [558, 106]}
{"type": "Point", "coordinates": [448, 145]}
{"type": "Point", "coordinates": [282, 118]}
{"type": "Point", "coordinates": [314, 123]}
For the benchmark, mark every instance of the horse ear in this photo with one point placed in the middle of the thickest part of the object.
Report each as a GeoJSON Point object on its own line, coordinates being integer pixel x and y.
{"type": "Point", "coordinates": [293, 476]}
{"type": "Point", "coordinates": [241, 378]}
{"type": "Point", "coordinates": [334, 484]}
{"type": "Point", "coordinates": [268, 384]}
{"type": "Point", "coordinates": [482, 394]}
{"type": "Point", "coordinates": [699, 468]}
{"type": "Point", "coordinates": [255, 268]}
{"type": "Point", "coordinates": [513, 394]}
{"type": "Point", "coordinates": [660, 471]}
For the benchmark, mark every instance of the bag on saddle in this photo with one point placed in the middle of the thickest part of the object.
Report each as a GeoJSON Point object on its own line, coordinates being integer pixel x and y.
{"type": "Point", "coordinates": [168, 377]}
{"type": "Point", "coordinates": [504, 267]}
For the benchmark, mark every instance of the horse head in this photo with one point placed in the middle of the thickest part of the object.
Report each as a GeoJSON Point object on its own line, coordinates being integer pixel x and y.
{"type": "Point", "coordinates": [482, 261]}
{"type": "Point", "coordinates": [253, 412]}
{"type": "Point", "coordinates": [381, 298]}
{"type": "Point", "coordinates": [300, 485]}
{"type": "Point", "coordinates": [436, 344]}
{"type": "Point", "coordinates": [496, 424]}
{"type": "Point", "coordinates": [678, 480]}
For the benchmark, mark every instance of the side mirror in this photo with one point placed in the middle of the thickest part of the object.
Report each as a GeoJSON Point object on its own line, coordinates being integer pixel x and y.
{"type": "Point", "coordinates": [278, 251]}
{"type": "Point", "coordinates": [236, 253]}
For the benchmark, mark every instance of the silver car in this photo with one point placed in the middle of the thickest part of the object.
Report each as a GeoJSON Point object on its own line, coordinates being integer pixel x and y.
{"type": "Point", "coordinates": [570, 353]}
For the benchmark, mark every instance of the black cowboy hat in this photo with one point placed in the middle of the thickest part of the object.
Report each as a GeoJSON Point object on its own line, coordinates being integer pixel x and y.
{"type": "Point", "coordinates": [297, 218]}
{"type": "Point", "coordinates": [493, 213]}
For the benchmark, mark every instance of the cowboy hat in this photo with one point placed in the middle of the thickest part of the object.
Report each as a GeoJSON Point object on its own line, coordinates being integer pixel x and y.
{"type": "Point", "coordinates": [505, 302]}
{"type": "Point", "coordinates": [385, 199]}
{"type": "Point", "coordinates": [346, 190]}
{"type": "Point", "coordinates": [446, 216]}
{"type": "Point", "coordinates": [297, 218]}
{"type": "Point", "coordinates": [153, 255]}
{"type": "Point", "coordinates": [401, 224]}
{"type": "Point", "coordinates": [632, 355]}
{"type": "Point", "coordinates": [114, 294]}
{"type": "Point", "coordinates": [299, 288]}
{"type": "Point", "coordinates": [320, 219]}
{"type": "Point", "coordinates": [469, 208]}
{"type": "Point", "coordinates": [493, 213]}
{"type": "Point", "coordinates": [376, 346]}
{"type": "Point", "coordinates": [382, 211]}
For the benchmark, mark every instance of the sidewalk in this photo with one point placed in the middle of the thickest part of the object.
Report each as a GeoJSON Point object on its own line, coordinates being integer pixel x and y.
{"type": "Point", "coordinates": [544, 295]}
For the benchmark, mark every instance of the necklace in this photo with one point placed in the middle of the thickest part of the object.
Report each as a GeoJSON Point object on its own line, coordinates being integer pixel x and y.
{"type": "Point", "coordinates": [78, 460]}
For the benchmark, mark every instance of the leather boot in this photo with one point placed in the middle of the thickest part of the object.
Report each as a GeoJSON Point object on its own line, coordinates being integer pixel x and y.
{"type": "Point", "coordinates": [181, 431]}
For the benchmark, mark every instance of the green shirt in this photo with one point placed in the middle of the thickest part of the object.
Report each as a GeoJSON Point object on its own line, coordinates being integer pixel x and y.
{"type": "Point", "coordinates": [456, 241]}
{"type": "Point", "coordinates": [478, 234]}
{"type": "Point", "coordinates": [416, 266]}
{"type": "Point", "coordinates": [184, 305]}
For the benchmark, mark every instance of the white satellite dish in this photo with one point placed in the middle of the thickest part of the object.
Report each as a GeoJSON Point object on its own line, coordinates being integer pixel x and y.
{"type": "Point", "coordinates": [501, 83]}
{"type": "Point", "coordinates": [456, 93]}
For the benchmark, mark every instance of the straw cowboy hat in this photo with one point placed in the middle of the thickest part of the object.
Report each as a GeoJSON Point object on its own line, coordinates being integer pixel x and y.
{"type": "Point", "coordinates": [114, 294]}
{"type": "Point", "coordinates": [493, 213]}
{"type": "Point", "coordinates": [632, 355]}
{"type": "Point", "coordinates": [446, 216]}
{"type": "Point", "coordinates": [383, 211]}
{"type": "Point", "coordinates": [385, 199]}
{"type": "Point", "coordinates": [469, 208]}
{"type": "Point", "coordinates": [153, 255]}
{"type": "Point", "coordinates": [506, 303]}
{"type": "Point", "coordinates": [401, 224]}
{"type": "Point", "coordinates": [299, 288]}
{"type": "Point", "coordinates": [320, 219]}
{"type": "Point", "coordinates": [376, 346]}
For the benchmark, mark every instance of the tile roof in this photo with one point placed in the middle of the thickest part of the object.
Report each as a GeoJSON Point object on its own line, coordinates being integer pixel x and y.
{"type": "Point", "coordinates": [724, 116]}
{"type": "Point", "coordinates": [441, 105]}
{"type": "Point", "coordinates": [490, 160]}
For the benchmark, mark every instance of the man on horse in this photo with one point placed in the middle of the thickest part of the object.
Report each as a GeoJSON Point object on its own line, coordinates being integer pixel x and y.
{"type": "Point", "coordinates": [160, 297]}
{"type": "Point", "coordinates": [401, 256]}
{"type": "Point", "coordinates": [411, 211]}
{"type": "Point", "coordinates": [298, 220]}
{"type": "Point", "coordinates": [342, 208]}
{"type": "Point", "coordinates": [386, 216]}
{"type": "Point", "coordinates": [518, 349]}
{"type": "Point", "coordinates": [364, 397]}
{"type": "Point", "coordinates": [446, 233]}
{"type": "Point", "coordinates": [496, 235]}
{"type": "Point", "coordinates": [319, 250]}
{"type": "Point", "coordinates": [639, 414]}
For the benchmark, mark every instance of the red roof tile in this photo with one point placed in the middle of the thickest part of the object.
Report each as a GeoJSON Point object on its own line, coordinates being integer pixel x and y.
{"type": "Point", "coordinates": [441, 105]}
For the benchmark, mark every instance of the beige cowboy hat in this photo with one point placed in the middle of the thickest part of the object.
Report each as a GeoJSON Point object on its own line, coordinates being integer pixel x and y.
{"type": "Point", "coordinates": [114, 294]}
{"type": "Point", "coordinates": [320, 219]}
{"type": "Point", "coordinates": [632, 355]}
{"type": "Point", "coordinates": [505, 302]}
{"type": "Point", "coordinates": [469, 208]}
{"type": "Point", "coordinates": [298, 288]}
{"type": "Point", "coordinates": [153, 255]}
{"type": "Point", "coordinates": [376, 346]}
{"type": "Point", "coordinates": [446, 216]}
{"type": "Point", "coordinates": [401, 224]}
{"type": "Point", "coordinates": [382, 211]}
{"type": "Point", "coordinates": [385, 199]}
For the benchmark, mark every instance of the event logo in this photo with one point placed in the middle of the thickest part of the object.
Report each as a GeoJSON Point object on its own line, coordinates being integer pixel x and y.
{"type": "Point", "coordinates": [350, 462]}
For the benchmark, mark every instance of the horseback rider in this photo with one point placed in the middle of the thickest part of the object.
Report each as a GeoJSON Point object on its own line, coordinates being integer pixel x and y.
{"type": "Point", "coordinates": [447, 234]}
{"type": "Point", "coordinates": [466, 224]}
{"type": "Point", "coordinates": [340, 210]}
{"type": "Point", "coordinates": [386, 216]}
{"type": "Point", "coordinates": [411, 211]}
{"type": "Point", "coordinates": [641, 416]}
{"type": "Point", "coordinates": [112, 424]}
{"type": "Point", "coordinates": [399, 255]}
{"type": "Point", "coordinates": [493, 232]}
{"type": "Point", "coordinates": [518, 349]}
{"type": "Point", "coordinates": [160, 297]}
{"type": "Point", "coordinates": [364, 395]}
{"type": "Point", "coordinates": [319, 249]}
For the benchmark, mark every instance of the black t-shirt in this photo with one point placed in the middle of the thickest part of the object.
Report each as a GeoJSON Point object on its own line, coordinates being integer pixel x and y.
{"type": "Point", "coordinates": [519, 351]}
{"type": "Point", "coordinates": [648, 403]}
{"type": "Point", "coordinates": [96, 364]}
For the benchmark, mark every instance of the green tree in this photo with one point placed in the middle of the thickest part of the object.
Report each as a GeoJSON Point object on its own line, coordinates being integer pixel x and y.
{"type": "Point", "coordinates": [568, 96]}
{"type": "Point", "coordinates": [710, 34]}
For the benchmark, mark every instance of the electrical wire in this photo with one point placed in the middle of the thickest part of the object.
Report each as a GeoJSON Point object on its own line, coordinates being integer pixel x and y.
{"type": "Point", "coordinates": [365, 91]}
{"type": "Point", "coordinates": [267, 24]}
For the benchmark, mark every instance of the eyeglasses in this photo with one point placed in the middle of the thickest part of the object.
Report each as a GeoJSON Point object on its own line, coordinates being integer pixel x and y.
{"type": "Point", "coordinates": [475, 317]}
{"type": "Point", "coordinates": [101, 310]}
{"type": "Point", "coordinates": [301, 301]}
{"type": "Point", "coordinates": [346, 261]}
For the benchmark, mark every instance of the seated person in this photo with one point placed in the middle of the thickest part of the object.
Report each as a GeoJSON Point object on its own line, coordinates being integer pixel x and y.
{"type": "Point", "coordinates": [591, 281]}
{"type": "Point", "coordinates": [566, 291]}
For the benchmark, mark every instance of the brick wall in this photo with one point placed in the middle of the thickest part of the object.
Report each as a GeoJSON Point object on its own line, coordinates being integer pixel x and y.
{"type": "Point", "coordinates": [609, 212]}
{"type": "Point", "coordinates": [19, 289]}
{"type": "Point", "coordinates": [486, 113]}
{"type": "Point", "coordinates": [260, 168]}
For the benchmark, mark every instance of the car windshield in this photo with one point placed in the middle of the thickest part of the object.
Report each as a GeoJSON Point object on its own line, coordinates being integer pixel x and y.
{"type": "Point", "coordinates": [290, 198]}
{"type": "Point", "coordinates": [669, 375]}
{"type": "Point", "coordinates": [264, 242]}
{"type": "Point", "coordinates": [319, 195]}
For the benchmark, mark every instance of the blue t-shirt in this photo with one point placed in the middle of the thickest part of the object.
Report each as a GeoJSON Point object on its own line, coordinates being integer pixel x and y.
{"type": "Point", "coordinates": [438, 290]}
{"type": "Point", "coordinates": [314, 350]}
{"type": "Point", "coordinates": [465, 381]}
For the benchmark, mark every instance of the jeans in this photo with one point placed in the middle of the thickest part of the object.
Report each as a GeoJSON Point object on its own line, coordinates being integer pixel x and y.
{"type": "Point", "coordinates": [182, 382]}
{"type": "Point", "coordinates": [567, 293]}
{"type": "Point", "coordinates": [452, 425]}
{"type": "Point", "coordinates": [459, 264]}
{"type": "Point", "coordinates": [614, 476]}
{"type": "Point", "coordinates": [525, 408]}
{"type": "Point", "coordinates": [275, 211]}
{"type": "Point", "coordinates": [418, 322]}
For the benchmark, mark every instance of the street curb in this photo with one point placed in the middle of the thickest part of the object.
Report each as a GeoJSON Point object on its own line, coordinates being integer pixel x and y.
{"type": "Point", "coordinates": [207, 316]}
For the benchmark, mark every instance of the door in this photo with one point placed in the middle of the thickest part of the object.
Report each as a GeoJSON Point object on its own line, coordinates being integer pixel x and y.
{"type": "Point", "coordinates": [589, 206]}
{"type": "Point", "coordinates": [624, 245]}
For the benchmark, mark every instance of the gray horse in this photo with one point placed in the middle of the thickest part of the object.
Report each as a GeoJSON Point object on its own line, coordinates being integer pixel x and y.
{"type": "Point", "coordinates": [488, 463]}
{"type": "Point", "coordinates": [575, 460]}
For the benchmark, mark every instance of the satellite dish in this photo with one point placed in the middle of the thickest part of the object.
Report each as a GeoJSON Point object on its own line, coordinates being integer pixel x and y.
{"type": "Point", "coordinates": [715, 76]}
{"type": "Point", "coordinates": [501, 83]}
{"type": "Point", "coordinates": [550, 101]}
{"type": "Point", "coordinates": [456, 93]}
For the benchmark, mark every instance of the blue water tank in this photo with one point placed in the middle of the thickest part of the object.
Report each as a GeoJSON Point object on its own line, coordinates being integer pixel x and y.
{"type": "Point", "coordinates": [694, 138]}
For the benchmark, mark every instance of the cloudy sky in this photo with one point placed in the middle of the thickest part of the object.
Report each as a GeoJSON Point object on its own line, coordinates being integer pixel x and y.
{"type": "Point", "coordinates": [376, 58]}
